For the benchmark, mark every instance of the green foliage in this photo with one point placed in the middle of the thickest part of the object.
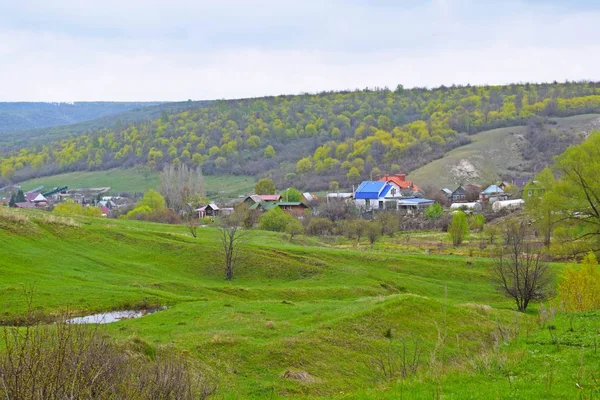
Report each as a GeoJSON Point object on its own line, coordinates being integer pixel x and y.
{"type": "Point", "coordinates": [19, 197]}
{"type": "Point", "coordinates": [265, 186]}
{"type": "Point", "coordinates": [572, 200]}
{"type": "Point", "coordinates": [152, 200]}
{"type": "Point", "coordinates": [291, 194]}
{"type": "Point", "coordinates": [459, 228]}
{"type": "Point", "coordinates": [269, 152]}
{"type": "Point", "coordinates": [434, 212]}
{"type": "Point", "coordinates": [275, 220]}
{"type": "Point", "coordinates": [71, 208]}
{"type": "Point", "coordinates": [477, 222]}
{"type": "Point", "coordinates": [294, 227]}
{"type": "Point", "coordinates": [351, 130]}
{"type": "Point", "coordinates": [579, 288]}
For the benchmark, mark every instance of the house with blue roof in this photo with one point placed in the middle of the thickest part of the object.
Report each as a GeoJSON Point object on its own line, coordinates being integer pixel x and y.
{"type": "Point", "coordinates": [492, 194]}
{"type": "Point", "coordinates": [377, 195]}
{"type": "Point", "coordinates": [381, 195]}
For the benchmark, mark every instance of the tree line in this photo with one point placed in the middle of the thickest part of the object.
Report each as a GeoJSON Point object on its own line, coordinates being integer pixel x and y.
{"type": "Point", "coordinates": [309, 139]}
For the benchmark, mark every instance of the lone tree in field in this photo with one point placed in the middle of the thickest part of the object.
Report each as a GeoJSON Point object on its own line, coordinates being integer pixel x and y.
{"type": "Point", "coordinates": [232, 236]}
{"type": "Point", "coordinates": [459, 228]}
{"type": "Point", "coordinates": [519, 272]}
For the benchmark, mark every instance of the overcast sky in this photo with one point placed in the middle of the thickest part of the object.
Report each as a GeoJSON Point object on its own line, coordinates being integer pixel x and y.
{"type": "Point", "coordinates": [69, 50]}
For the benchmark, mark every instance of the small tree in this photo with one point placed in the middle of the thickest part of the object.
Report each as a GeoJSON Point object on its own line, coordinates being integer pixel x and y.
{"type": "Point", "coordinates": [232, 237]}
{"type": "Point", "coordinates": [519, 272]}
{"type": "Point", "coordinates": [389, 222]}
{"type": "Point", "coordinates": [12, 202]}
{"type": "Point", "coordinates": [265, 186]}
{"type": "Point", "coordinates": [291, 194]}
{"type": "Point", "coordinates": [274, 220]}
{"type": "Point", "coordinates": [459, 228]}
{"type": "Point", "coordinates": [191, 222]}
{"type": "Point", "coordinates": [477, 222]}
{"type": "Point", "coordinates": [434, 212]}
{"type": "Point", "coordinates": [293, 228]}
{"type": "Point", "coordinates": [373, 232]}
{"type": "Point", "coordinates": [579, 288]}
{"type": "Point", "coordinates": [20, 197]}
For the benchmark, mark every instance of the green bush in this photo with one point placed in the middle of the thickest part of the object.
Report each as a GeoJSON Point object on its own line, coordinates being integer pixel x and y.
{"type": "Point", "coordinates": [459, 228]}
{"type": "Point", "coordinates": [434, 212]}
{"type": "Point", "coordinates": [274, 220]}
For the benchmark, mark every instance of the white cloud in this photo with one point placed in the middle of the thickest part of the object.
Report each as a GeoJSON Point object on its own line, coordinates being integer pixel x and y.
{"type": "Point", "coordinates": [191, 55]}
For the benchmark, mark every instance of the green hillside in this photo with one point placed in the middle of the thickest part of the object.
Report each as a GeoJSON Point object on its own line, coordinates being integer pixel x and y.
{"type": "Point", "coordinates": [497, 154]}
{"type": "Point", "coordinates": [300, 320]}
{"type": "Point", "coordinates": [133, 180]}
{"type": "Point", "coordinates": [308, 140]}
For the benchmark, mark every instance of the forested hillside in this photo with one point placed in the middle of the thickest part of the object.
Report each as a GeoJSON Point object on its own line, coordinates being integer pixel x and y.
{"type": "Point", "coordinates": [23, 116]}
{"type": "Point", "coordinates": [102, 124]}
{"type": "Point", "coordinates": [309, 140]}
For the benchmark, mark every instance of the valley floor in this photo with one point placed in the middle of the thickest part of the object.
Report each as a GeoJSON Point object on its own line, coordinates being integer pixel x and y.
{"type": "Point", "coordinates": [301, 319]}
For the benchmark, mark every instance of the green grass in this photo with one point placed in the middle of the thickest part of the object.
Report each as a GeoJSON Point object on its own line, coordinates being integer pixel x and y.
{"type": "Point", "coordinates": [492, 154]}
{"type": "Point", "coordinates": [131, 180]}
{"type": "Point", "coordinates": [307, 307]}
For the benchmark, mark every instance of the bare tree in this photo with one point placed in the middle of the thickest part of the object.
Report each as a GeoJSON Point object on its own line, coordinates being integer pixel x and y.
{"type": "Point", "coordinates": [180, 185]}
{"type": "Point", "coordinates": [232, 236]}
{"type": "Point", "coordinates": [519, 272]}
{"type": "Point", "coordinates": [191, 221]}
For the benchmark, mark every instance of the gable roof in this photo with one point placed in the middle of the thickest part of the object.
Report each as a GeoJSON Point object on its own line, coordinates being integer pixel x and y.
{"type": "Point", "coordinates": [447, 191]}
{"type": "Point", "coordinates": [400, 181]}
{"type": "Point", "coordinates": [269, 197]}
{"type": "Point", "coordinates": [372, 190]}
{"type": "Point", "coordinates": [493, 189]}
{"type": "Point", "coordinates": [34, 196]}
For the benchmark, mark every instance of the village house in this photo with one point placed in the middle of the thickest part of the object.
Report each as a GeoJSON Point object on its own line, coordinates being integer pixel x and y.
{"type": "Point", "coordinates": [399, 181]}
{"type": "Point", "coordinates": [253, 199]}
{"type": "Point", "coordinates": [459, 195]}
{"type": "Point", "coordinates": [377, 195]}
{"type": "Point", "coordinates": [209, 210]}
{"type": "Point", "coordinates": [36, 198]}
{"type": "Point", "coordinates": [492, 194]}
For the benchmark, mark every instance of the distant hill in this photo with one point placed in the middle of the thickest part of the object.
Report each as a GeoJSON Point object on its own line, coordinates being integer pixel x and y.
{"type": "Point", "coordinates": [504, 153]}
{"type": "Point", "coordinates": [309, 140]}
{"type": "Point", "coordinates": [24, 116]}
{"type": "Point", "coordinates": [121, 117]}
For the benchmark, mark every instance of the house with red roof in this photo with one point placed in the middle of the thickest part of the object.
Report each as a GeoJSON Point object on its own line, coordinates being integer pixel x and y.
{"type": "Point", "coordinates": [400, 181]}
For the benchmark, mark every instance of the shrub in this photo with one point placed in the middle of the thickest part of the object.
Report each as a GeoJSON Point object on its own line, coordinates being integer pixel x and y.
{"type": "Point", "coordinates": [477, 222]}
{"type": "Point", "coordinates": [64, 361]}
{"type": "Point", "coordinates": [579, 288]}
{"type": "Point", "coordinates": [434, 212]}
{"type": "Point", "coordinates": [70, 207]}
{"type": "Point", "coordinates": [320, 226]}
{"type": "Point", "coordinates": [459, 228]}
{"type": "Point", "coordinates": [274, 220]}
{"type": "Point", "coordinates": [293, 228]}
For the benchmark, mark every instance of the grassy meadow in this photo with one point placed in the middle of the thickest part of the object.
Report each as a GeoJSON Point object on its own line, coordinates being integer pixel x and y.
{"type": "Point", "coordinates": [491, 155]}
{"type": "Point", "coordinates": [302, 319]}
{"type": "Point", "coordinates": [132, 180]}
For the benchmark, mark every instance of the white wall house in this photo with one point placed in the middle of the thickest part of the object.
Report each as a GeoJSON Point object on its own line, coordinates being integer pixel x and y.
{"type": "Point", "coordinates": [377, 195]}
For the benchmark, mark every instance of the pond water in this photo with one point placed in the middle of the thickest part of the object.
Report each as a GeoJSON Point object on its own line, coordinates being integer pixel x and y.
{"type": "Point", "coordinates": [113, 316]}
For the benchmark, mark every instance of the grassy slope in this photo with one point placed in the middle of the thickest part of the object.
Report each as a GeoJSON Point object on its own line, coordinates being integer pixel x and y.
{"type": "Point", "coordinates": [130, 180]}
{"type": "Point", "coordinates": [493, 153]}
{"type": "Point", "coordinates": [296, 307]}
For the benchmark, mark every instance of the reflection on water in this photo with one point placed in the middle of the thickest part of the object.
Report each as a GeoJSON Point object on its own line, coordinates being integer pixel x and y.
{"type": "Point", "coordinates": [113, 316]}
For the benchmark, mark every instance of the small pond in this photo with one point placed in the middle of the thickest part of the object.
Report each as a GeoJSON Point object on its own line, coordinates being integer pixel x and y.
{"type": "Point", "coordinates": [113, 316]}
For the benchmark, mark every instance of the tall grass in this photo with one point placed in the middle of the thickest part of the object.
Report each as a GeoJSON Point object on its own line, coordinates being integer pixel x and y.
{"type": "Point", "coordinates": [64, 361]}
